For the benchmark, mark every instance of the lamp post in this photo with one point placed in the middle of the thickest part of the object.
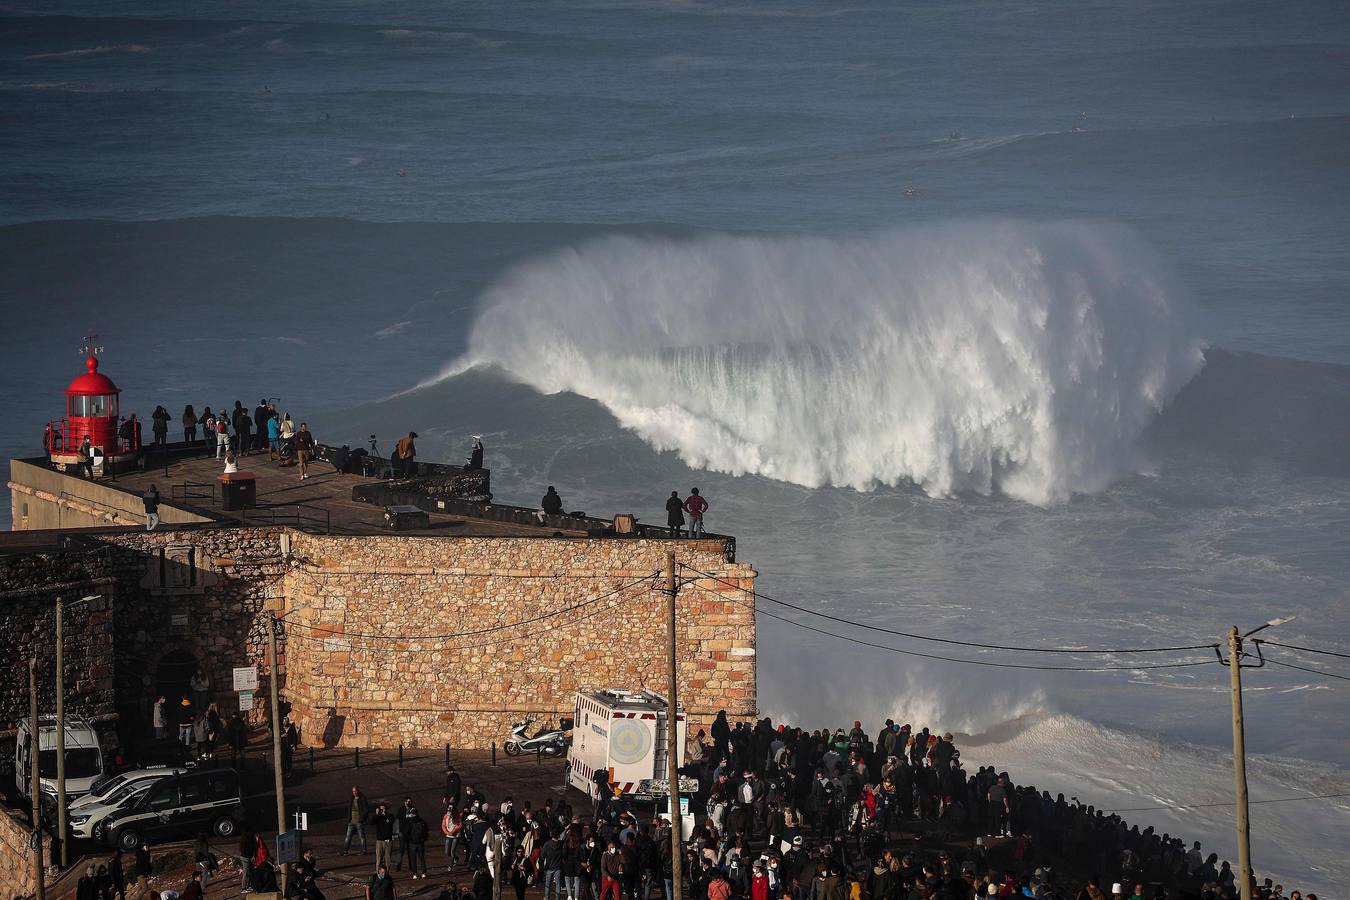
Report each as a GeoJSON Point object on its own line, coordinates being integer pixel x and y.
{"type": "Point", "coordinates": [1234, 663]}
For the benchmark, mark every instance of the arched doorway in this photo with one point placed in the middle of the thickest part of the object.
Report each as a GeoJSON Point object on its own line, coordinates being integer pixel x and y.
{"type": "Point", "coordinates": [172, 675]}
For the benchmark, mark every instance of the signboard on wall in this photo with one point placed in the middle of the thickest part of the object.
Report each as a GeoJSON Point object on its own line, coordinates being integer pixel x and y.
{"type": "Point", "coordinates": [246, 679]}
{"type": "Point", "coordinates": [245, 701]}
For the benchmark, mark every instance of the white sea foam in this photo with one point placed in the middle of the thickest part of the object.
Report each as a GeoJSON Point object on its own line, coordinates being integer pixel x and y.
{"type": "Point", "coordinates": [975, 356]}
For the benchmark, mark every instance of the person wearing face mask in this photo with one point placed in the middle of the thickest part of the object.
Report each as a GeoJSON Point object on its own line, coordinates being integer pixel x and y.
{"type": "Point", "coordinates": [590, 866]}
{"type": "Point", "coordinates": [611, 870]}
{"type": "Point", "coordinates": [380, 886]}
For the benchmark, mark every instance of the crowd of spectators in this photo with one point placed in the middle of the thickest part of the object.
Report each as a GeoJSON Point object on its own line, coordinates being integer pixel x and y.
{"type": "Point", "coordinates": [789, 814]}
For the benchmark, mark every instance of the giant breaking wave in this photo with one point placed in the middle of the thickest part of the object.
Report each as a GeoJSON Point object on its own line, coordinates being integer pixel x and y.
{"type": "Point", "coordinates": [1020, 357]}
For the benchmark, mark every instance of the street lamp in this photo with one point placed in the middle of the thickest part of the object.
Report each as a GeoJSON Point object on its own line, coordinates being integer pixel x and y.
{"type": "Point", "coordinates": [1234, 663]}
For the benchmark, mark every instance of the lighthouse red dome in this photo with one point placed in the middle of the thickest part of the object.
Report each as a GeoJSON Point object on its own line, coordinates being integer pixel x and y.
{"type": "Point", "coordinates": [91, 382]}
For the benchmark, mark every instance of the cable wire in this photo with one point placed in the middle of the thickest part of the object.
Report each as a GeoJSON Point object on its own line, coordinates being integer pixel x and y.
{"type": "Point", "coordinates": [473, 633]}
{"type": "Point", "coordinates": [480, 644]}
{"type": "Point", "coordinates": [977, 662]}
{"type": "Point", "coordinates": [1228, 803]}
{"type": "Point", "coordinates": [1306, 669]}
{"type": "Point", "coordinates": [1304, 649]}
{"type": "Point", "coordinates": [924, 637]}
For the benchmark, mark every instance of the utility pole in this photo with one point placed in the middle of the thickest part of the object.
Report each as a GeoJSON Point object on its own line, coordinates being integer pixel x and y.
{"type": "Point", "coordinates": [61, 731]}
{"type": "Point", "coordinates": [1244, 835]}
{"type": "Point", "coordinates": [34, 750]}
{"type": "Point", "coordinates": [276, 736]}
{"type": "Point", "coordinates": [673, 739]}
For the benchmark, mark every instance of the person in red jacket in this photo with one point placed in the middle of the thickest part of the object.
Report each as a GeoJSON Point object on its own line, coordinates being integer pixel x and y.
{"type": "Point", "coordinates": [696, 506]}
{"type": "Point", "coordinates": [759, 882]}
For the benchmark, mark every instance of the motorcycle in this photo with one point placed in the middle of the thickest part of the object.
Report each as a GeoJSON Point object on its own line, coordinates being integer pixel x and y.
{"type": "Point", "coordinates": [548, 742]}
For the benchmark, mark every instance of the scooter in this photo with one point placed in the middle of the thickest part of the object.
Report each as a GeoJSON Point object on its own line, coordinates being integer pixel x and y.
{"type": "Point", "coordinates": [549, 742]}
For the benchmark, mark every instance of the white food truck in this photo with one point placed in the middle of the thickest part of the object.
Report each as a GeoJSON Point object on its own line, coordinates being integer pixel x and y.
{"type": "Point", "coordinates": [623, 732]}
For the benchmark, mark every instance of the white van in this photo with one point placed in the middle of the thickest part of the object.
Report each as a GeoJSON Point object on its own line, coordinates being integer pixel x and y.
{"type": "Point", "coordinates": [84, 756]}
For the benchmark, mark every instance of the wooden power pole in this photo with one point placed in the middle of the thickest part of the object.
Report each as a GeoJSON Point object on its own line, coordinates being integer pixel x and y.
{"type": "Point", "coordinates": [673, 739]}
{"type": "Point", "coordinates": [35, 784]}
{"type": "Point", "coordinates": [61, 732]}
{"type": "Point", "coordinates": [1244, 835]}
{"type": "Point", "coordinates": [276, 736]}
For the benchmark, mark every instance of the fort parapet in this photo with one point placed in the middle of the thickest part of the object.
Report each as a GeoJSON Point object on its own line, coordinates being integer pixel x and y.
{"type": "Point", "coordinates": [446, 634]}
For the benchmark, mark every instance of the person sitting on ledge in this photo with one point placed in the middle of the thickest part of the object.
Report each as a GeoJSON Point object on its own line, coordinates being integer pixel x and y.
{"type": "Point", "coordinates": [552, 504]}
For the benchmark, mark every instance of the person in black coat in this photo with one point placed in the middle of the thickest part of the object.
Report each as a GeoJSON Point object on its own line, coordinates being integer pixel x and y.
{"type": "Point", "coordinates": [243, 428]}
{"type": "Point", "coordinates": [454, 788]}
{"type": "Point", "coordinates": [552, 504]}
{"type": "Point", "coordinates": [675, 514]}
{"type": "Point", "coordinates": [260, 417]}
{"type": "Point", "coordinates": [482, 884]}
{"type": "Point", "coordinates": [142, 864]}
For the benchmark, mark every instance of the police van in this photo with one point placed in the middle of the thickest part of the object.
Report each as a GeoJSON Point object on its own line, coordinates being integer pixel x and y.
{"type": "Point", "coordinates": [177, 808]}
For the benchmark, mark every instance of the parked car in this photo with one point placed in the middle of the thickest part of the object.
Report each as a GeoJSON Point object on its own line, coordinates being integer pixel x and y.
{"type": "Point", "coordinates": [179, 807]}
{"type": "Point", "coordinates": [87, 821]}
{"type": "Point", "coordinates": [105, 786]}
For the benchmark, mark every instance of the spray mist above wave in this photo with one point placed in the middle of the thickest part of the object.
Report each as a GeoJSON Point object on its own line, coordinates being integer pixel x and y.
{"type": "Point", "coordinates": [981, 356]}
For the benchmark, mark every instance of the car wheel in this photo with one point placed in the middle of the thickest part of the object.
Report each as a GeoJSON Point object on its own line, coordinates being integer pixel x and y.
{"type": "Point", "coordinates": [128, 840]}
{"type": "Point", "coordinates": [224, 827]}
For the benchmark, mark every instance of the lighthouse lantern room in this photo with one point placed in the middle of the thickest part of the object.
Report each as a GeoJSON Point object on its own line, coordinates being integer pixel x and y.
{"type": "Point", "coordinates": [92, 410]}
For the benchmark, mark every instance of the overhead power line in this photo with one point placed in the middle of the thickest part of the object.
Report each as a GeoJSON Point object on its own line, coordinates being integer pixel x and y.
{"type": "Point", "coordinates": [976, 662]}
{"type": "Point", "coordinates": [953, 641]}
{"type": "Point", "coordinates": [1229, 803]}
{"type": "Point", "coordinates": [480, 644]}
{"type": "Point", "coordinates": [472, 633]}
{"type": "Point", "coordinates": [1306, 669]}
{"type": "Point", "coordinates": [1303, 649]}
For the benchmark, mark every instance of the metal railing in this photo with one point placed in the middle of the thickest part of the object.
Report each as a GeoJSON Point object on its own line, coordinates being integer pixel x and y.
{"type": "Point", "coordinates": [59, 438]}
{"type": "Point", "coordinates": [299, 515]}
{"type": "Point", "coordinates": [193, 490]}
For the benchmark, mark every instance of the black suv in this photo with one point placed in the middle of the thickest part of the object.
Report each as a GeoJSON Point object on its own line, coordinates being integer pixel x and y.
{"type": "Point", "coordinates": [179, 808]}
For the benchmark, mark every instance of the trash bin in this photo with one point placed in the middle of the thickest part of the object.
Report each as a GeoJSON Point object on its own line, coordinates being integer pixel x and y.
{"type": "Point", "coordinates": [238, 490]}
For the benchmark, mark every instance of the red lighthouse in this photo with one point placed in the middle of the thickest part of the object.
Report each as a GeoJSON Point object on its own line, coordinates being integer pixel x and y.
{"type": "Point", "coordinates": [92, 411]}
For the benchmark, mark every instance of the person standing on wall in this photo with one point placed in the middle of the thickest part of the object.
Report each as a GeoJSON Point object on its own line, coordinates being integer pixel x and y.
{"type": "Point", "coordinates": [405, 456]}
{"type": "Point", "coordinates": [161, 426]}
{"type": "Point", "coordinates": [222, 434]}
{"type": "Point", "coordinates": [696, 506]}
{"type": "Point", "coordinates": [475, 460]}
{"type": "Point", "coordinates": [675, 514]}
{"type": "Point", "coordinates": [260, 417]}
{"type": "Point", "coordinates": [304, 448]}
{"type": "Point", "coordinates": [150, 500]}
{"type": "Point", "coordinates": [273, 438]}
{"type": "Point", "coordinates": [189, 425]}
{"type": "Point", "coordinates": [243, 428]}
{"type": "Point", "coordinates": [85, 456]}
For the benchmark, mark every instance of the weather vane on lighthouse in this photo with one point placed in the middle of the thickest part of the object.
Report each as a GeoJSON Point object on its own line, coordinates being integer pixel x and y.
{"type": "Point", "coordinates": [90, 348]}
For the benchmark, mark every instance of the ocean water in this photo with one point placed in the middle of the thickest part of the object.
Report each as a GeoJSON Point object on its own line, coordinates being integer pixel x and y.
{"type": "Point", "coordinates": [1011, 323]}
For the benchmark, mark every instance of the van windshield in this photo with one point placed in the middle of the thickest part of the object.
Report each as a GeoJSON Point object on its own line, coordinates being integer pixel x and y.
{"type": "Point", "coordinates": [81, 762]}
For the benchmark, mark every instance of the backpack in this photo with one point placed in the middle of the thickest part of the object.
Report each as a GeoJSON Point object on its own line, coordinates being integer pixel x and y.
{"type": "Point", "coordinates": [417, 834]}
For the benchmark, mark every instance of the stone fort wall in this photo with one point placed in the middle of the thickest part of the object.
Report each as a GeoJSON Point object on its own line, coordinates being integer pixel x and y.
{"type": "Point", "coordinates": [363, 664]}
{"type": "Point", "coordinates": [404, 639]}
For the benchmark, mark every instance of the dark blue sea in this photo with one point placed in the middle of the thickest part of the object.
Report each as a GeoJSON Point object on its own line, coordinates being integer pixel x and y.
{"type": "Point", "coordinates": [1014, 322]}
